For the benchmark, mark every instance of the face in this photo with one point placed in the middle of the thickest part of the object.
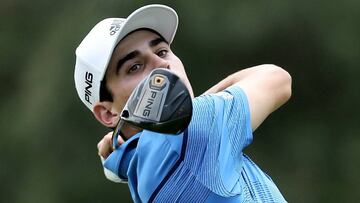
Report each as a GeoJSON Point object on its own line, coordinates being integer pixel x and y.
{"type": "Point", "coordinates": [133, 59]}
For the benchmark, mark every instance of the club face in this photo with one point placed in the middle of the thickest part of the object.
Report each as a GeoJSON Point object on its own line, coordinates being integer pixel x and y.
{"type": "Point", "coordinates": [160, 103]}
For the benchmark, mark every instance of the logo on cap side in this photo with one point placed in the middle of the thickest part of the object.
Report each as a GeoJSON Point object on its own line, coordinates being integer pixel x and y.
{"type": "Point", "coordinates": [115, 26]}
{"type": "Point", "coordinates": [88, 86]}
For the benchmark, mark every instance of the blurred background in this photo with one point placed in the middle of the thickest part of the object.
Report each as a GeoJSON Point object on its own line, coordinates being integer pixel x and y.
{"type": "Point", "coordinates": [310, 147]}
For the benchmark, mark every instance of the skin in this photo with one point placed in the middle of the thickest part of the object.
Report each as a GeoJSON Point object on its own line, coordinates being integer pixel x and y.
{"type": "Point", "coordinates": [267, 86]}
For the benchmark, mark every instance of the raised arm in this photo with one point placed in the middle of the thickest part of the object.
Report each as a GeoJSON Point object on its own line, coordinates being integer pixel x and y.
{"type": "Point", "coordinates": [267, 88]}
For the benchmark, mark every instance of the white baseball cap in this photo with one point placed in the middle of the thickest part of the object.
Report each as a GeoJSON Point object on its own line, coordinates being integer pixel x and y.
{"type": "Point", "coordinates": [94, 52]}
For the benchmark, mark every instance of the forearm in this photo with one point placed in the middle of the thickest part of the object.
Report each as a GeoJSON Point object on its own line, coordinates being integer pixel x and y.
{"type": "Point", "coordinates": [267, 87]}
{"type": "Point", "coordinates": [233, 79]}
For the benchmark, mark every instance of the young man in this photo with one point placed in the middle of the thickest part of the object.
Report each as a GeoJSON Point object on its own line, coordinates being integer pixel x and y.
{"type": "Point", "coordinates": [206, 162]}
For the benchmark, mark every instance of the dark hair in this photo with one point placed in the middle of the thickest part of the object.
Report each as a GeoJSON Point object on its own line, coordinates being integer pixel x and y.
{"type": "Point", "coordinates": [105, 93]}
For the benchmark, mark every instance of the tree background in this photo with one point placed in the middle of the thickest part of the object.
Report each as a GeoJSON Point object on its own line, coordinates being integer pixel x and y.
{"type": "Point", "coordinates": [310, 147]}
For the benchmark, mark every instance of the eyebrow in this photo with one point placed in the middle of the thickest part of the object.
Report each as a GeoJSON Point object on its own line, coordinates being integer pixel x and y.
{"type": "Point", "coordinates": [157, 41]}
{"type": "Point", "coordinates": [136, 53]}
{"type": "Point", "coordinates": [128, 56]}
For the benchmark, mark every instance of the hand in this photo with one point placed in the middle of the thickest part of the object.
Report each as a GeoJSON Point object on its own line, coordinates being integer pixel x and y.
{"type": "Point", "coordinates": [105, 145]}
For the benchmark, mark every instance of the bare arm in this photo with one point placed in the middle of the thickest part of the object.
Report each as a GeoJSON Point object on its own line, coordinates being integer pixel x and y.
{"type": "Point", "coordinates": [267, 88]}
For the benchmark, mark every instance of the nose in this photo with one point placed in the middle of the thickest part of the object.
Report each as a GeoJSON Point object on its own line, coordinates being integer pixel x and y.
{"type": "Point", "coordinates": [159, 62]}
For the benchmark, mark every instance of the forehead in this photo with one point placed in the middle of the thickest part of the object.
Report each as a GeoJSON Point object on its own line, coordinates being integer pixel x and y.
{"type": "Point", "coordinates": [135, 39]}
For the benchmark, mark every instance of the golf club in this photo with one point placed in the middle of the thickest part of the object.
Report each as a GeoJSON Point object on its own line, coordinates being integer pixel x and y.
{"type": "Point", "coordinates": [160, 103]}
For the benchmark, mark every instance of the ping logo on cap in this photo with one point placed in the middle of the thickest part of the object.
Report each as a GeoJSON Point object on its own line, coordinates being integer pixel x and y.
{"type": "Point", "coordinates": [115, 26]}
{"type": "Point", "coordinates": [88, 86]}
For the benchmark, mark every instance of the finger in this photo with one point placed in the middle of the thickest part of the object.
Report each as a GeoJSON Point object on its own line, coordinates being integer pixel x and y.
{"type": "Point", "coordinates": [104, 149]}
{"type": "Point", "coordinates": [106, 137]}
{"type": "Point", "coordinates": [120, 140]}
{"type": "Point", "coordinates": [105, 146]}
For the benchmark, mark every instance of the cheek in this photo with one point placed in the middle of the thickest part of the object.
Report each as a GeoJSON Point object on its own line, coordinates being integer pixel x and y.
{"type": "Point", "coordinates": [119, 99]}
{"type": "Point", "coordinates": [177, 66]}
{"type": "Point", "coordinates": [122, 92]}
{"type": "Point", "coordinates": [179, 69]}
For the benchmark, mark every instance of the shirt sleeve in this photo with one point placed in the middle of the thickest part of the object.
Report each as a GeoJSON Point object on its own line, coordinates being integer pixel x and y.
{"type": "Point", "coordinates": [232, 111]}
{"type": "Point", "coordinates": [236, 134]}
{"type": "Point", "coordinates": [115, 165]}
{"type": "Point", "coordinates": [221, 123]}
{"type": "Point", "coordinates": [111, 175]}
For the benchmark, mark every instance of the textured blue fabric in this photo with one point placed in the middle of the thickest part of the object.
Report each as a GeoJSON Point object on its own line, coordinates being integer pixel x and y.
{"type": "Point", "coordinates": [204, 165]}
{"type": "Point", "coordinates": [119, 159]}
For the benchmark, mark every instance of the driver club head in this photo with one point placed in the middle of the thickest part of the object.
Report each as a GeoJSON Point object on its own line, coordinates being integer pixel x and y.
{"type": "Point", "coordinates": [161, 103]}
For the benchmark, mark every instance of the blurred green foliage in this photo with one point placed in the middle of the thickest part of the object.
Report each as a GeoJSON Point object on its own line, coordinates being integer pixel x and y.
{"type": "Point", "coordinates": [310, 146]}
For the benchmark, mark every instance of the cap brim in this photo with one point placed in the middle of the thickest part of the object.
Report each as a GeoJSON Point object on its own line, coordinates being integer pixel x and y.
{"type": "Point", "coordinates": [159, 18]}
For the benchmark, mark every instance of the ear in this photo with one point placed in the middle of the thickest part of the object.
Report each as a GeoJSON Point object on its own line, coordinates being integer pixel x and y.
{"type": "Point", "coordinates": [102, 112]}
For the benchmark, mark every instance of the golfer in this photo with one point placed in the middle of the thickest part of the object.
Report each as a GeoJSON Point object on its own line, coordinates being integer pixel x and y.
{"type": "Point", "coordinates": [206, 162]}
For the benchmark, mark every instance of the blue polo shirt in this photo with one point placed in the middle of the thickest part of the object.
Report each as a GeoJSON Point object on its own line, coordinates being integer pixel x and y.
{"type": "Point", "coordinates": [204, 164]}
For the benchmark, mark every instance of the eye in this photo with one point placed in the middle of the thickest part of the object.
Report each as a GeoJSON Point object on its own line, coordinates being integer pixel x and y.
{"type": "Point", "coordinates": [134, 68]}
{"type": "Point", "coordinates": [162, 53]}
